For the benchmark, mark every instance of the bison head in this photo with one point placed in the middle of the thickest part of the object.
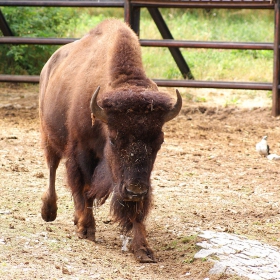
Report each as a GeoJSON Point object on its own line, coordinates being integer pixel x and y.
{"type": "Point", "coordinates": [134, 123]}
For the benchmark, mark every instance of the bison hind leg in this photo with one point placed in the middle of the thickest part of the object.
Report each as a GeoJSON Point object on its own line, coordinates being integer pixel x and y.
{"type": "Point", "coordinates": [49, 207]}
{"type": "Point", "coordinates": [85, 229]}
{"type": "Point", "coordinates": [49, 198]}
{"type": "Point", "coordinates": [83, 217]}
{"type": "Point", "coordinates": [80, 186]}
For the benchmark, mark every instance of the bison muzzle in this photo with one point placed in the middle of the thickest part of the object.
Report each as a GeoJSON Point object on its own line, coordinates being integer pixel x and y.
{"type": "Point", "coordinates": [100, 112]}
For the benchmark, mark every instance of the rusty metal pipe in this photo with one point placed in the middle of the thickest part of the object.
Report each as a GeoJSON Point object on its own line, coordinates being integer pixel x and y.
{"type": "Point", "coordinates": [35, 41]}
{"type": "Point", "coordinates": [215, 84]}
{"type": "Point", "coordinates": [206, 44]}
{"type": "Point", "coordinates": [208, 4]}
{"type": "Point", "coordinates": [163, 83]}
{"type": "Point", "coordinates": [146, 43]}
{"type": "Point", "coordinates": [19, 79]}
{"type": "Point", "coordinates": [103, 3]}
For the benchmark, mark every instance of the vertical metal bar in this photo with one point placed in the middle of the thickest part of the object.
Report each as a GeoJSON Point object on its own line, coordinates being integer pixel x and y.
{"type": "Point", "coordinates": [127, 11]}
{"type": "Point", "coordinates": [166, 34]}
{"type": "Point", "coordinates": [276, 62]}
{"type": "Point", "coordinates": [132, 16]}
{"type": "Point", "coordinates": [135, 20]}
{"type": "Point", "coordinates": [4, 26]}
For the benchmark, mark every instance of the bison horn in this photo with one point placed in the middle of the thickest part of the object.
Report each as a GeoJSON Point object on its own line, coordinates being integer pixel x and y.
{"type": "Point", "coordinates": [176, 108]}
{"type": "Point", "coordinates": [96, 110]}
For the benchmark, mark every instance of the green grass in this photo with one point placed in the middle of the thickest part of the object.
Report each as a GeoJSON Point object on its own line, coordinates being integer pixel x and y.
{"type": "Point", "coordinates": [88, 18]}
{"type": "Point", "coordinates": [216, 25]}
{"type": "Point", "coordinates": [186, 244]}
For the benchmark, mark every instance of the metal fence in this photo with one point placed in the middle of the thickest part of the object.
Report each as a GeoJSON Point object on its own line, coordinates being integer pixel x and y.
{"type": "Point", "coordinates": [132, 16]}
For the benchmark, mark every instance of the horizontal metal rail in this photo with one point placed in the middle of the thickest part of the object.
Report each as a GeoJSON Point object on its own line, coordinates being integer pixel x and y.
{"type": "Point", "coordinates": [35, 41]}
{"type": "Point", "coordinates": [146, 43]}
{"type": "Point", "coordinates": [206, 44]}
{"type": "Point", "coordinates": [211, 84]}
{"type": "Point", "coordinates": [163, 83]}
{"type": "Point", "coordinates": [226, 4]}
{"type": "Point", "coordinates": [19, 78]}
{"type": "Point", "coordinates": [60, 3]}
{"type": "Point", "coordinates": [154, 43]}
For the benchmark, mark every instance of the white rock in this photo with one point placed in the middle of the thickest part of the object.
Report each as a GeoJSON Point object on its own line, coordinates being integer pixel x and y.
{"type": "Point", "coordinates": [218, 268]}
{"type": "Point", "coordinates": [2, 241]}
{"type": "Point", "coordinates": [240, 256]}
{"type": "Point", "coordinates": [273, 157]}
{"type": "Point", "coordinates": [204, 254]}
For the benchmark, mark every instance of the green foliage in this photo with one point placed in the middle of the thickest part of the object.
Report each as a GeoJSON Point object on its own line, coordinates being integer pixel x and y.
{"type": "Point", "coordinates": [45, 22]}
{"type": "Point", "coordinates": [212, 25]}
{"type": "Point", "coordinates": [32, 22]}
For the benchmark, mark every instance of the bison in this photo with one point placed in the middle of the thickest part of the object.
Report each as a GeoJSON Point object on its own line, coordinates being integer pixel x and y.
{"type": "Point", "coordinates": [100, 112]}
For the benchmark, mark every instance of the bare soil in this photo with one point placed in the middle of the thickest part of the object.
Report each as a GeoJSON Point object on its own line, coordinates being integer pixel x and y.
{"type": "Point", "coordinates": [207, 176]}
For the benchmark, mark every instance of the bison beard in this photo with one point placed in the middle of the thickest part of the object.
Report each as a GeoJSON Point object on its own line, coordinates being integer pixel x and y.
{"type": "Point", "coordinates": [100, 112]}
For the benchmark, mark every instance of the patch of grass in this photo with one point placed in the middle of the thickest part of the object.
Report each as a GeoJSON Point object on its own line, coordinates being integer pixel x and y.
{"type": "Point", "coordinates": [189, 174]}
{"type": "Point", "coordinates": [232, 101]}
{"type": "Point", "coordinates": [189, 239]}
{"type": "Point", "coordinates": [199, 99]}
{"type": "Point", "coordinates": [228, 277]}
{"type": "Point", "coordinates": [189, 260]}
{"type": "Point", "coordinates": [269, 94]}
{"type": "Point", "coordinates": [88, 18]}
{"type": "Point", "coordinates": [186, 245]}
{"type": "Point", "coordinates": [171, 246]}
{"type": "Point", "coordinates": [188, 96]}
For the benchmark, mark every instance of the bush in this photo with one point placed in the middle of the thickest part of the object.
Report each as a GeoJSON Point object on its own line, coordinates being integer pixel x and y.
{"type": "Point", "coordinates": [32, 22]}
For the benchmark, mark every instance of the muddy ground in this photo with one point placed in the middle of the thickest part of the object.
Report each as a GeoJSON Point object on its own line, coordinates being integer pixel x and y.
{"type": "Point", "coordinates": [207, 176]}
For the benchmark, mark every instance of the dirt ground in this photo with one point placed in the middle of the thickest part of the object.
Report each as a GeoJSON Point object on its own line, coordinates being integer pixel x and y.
{"type": "Point", "coordinates": [207, 176]}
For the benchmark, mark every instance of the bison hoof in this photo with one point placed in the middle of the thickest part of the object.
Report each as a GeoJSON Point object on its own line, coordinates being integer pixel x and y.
{"type": "Point", "coordinates": [48, 211]}
{"type": "Point", "coordinates": [86, 233]}
{"type": "Point", "coordinates": [145, 255]}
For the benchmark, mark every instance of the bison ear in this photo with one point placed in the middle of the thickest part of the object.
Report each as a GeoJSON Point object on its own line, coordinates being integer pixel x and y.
{"type": "Point", "coordinates": [176, 108]}
{"type": "Point", "coordinates": [96, 110]}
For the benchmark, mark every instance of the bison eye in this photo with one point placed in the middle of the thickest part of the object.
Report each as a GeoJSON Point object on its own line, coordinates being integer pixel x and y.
{"type": "Point", "coordinates": [113, 137]}
{"type": "Point", "coordinates": [112, 141]}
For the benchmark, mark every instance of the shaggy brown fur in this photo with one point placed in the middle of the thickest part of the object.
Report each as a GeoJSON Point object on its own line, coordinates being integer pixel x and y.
{"type": "Point", "coordinates": [115, 157]}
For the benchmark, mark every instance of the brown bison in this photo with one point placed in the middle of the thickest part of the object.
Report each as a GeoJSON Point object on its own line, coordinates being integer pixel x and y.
{"type": "Point", "coordinates": [100, 112]}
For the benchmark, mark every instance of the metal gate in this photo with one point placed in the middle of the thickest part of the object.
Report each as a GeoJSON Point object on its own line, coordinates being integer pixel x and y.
{"type": "Point", "coordinates": [132, 16]}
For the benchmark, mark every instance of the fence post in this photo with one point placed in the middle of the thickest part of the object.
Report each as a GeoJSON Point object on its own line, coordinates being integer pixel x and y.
{"type": "Point", "coordinates": [4, 26]}
{"type": "Point", "coordinates": [276, 62]}
{"type": "Point", "coordinates": [132, 16]}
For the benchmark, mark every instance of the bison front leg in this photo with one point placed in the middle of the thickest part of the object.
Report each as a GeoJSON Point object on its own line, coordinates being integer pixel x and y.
{"type": "Point", "coordinates": [131, 216]}
{"type": "Point", "coordinates": [139, 244]}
